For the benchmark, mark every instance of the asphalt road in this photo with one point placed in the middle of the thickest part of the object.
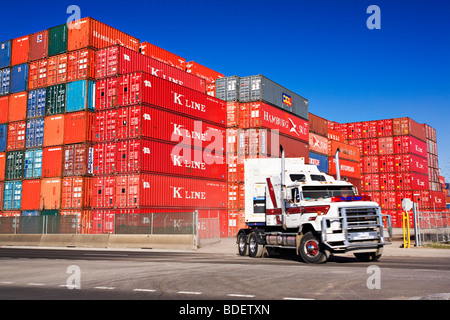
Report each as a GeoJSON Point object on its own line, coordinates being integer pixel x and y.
{"type": "Point", "coordinates": [76, 274]}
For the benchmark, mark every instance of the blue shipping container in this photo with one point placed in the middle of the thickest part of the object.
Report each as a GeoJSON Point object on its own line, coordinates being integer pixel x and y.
{"type": "Point", "coordinates": [35, 133]}
{"type": "Point", "coordinates": [3, 137]}
{"type": "Point", "coordinates": [30, 213]}
{"type": "Point", "coordinates": [19, 78]}
{"type": "Point", "coordinates": [33, 163]}
{"type": "Point", "coordinates": [5, 81]}
{"type": "Point", "coordinates": [13, 195]}
{"type": "Point", "coordinates": [5, 54]}
{"type": "Point", "coordinates": [80, 96]}
{"type": "Point", "coordinates": [319, 160]}
{"type": "Point", "coordinates": [36, 103]}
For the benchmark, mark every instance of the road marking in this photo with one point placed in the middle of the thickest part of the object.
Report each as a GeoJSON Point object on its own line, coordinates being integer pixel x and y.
{"type": "Point", "coordinates": [6, 282]}
{"type": "Point", "coordinates": [144, 290]}
{"type": "Point", "coordinates": [240, 295]}
{"type": "Point", "coordinates": [290, 298]}
{"type": "Point", "coordinates": [105, 288]}
{"type": "Point", "coordinates": [188, 292]}
{"type": "Point", "coordinates": [35, 284]}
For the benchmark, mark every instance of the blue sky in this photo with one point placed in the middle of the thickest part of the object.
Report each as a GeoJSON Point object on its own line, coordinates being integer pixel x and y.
{"type": "Point", "coordinates": [321, 49]}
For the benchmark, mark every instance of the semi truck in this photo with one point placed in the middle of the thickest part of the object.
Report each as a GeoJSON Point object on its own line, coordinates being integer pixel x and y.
{"type": "Point", "coordinates": [292, 205]}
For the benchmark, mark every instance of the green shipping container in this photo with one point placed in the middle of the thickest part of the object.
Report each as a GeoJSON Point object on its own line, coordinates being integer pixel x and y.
{"type": "Point", "coordinates": [50, 213]}
{"type": "Point", "coordinates": [14, 165]}
{"type": "Point", "coordinates": [57, 40]}
{"type": "Point", "coordinates": [56, 99]}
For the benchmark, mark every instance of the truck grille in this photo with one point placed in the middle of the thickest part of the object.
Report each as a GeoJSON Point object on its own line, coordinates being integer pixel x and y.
{"type": "Point", "coordinates": [361, 218]}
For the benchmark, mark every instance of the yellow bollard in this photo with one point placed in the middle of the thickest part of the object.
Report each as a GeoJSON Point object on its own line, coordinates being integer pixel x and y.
{"type": "Point", "coordinates": [406, 235]}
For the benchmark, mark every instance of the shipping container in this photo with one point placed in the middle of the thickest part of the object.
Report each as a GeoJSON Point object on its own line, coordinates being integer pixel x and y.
{"type": "Point", "coordinates": [348, 168]}
{"type": "Point", "coordinates": [103, 221]}
{"type": "Point", "coordinates": [105, 158]}
{"type": "Point", "coordinates": [50, 197]}
{"type": "Point", "coordinates": [14, 165]}
{"type": "Point", "coordinates": [370, 164]}
{"type": "Point", "coordinates": [33, 164]}
{"type": "Point", "coordinates": [5, 81]}
{"type": "Point", "coordinates": [57, 69]}
{"type": "Point", "coordinates": [347, 152]}
{"type": "Point", "coordinates": [387, 164]}
{"type": "Point", "coordinates": [2, 167]}
{"type": "Point", "coordinates": [38, 46]}
{"type": "Point", "coordinates": [78, 159]}
{"type": "Point", "coordinates": [34, 133]}
{"type": "Point", "coordinates": [318, 144]}
{"type": "Point", "coordinates": [134, 191]}
{"type": "Point", "coordinates": [17, 109]}
{"type": "Point", "coordinates": [430, 132]}
{"type": "Point", "coordinates": [55, 102]}
{"type": "Point", "coordinates": [321, 161]}
{"type": "Point", "coordinates": [20, 50]}
{"type": "Point", "coordinates": [318, 125]}
{"type": "Point", "coordinates": [354, 131]}
{"type": "Point", "coordinates": [105, 125]}
{"type": "Point", "coordinates": [76, 192]}
{"type": "Point", "coordinates": [80, 95]}
{"type": "Point", "coordinates": [410, 144]}
{"type": "Point", "coordinates": [52, 162]}
{"type": "Point", "coordinates": [369, 129]}
{"type": "Point", "coordinates": [386, 145]}
{"type": "Point", "coordinates": [228, 89]}
{"type": "Point", "coordinates": [388, 200]}
{"type": "Point", "coordinates": [403, 181]}
{"type": "Point", "coordinates": [141, 87]}
{"type": "Point", "coordinates": [203, 72]}
{"type": "Point", "coordinates": [407, 126]}
{"type": "Point", "coordinates": [143, 155]}
{"type": "Point", "coordinates": [81, 64]}
{"type": "Point", "coordinates": [370, 147]}
{"type": "Point", "coordinates": [371, 182]}
{"type": "Point", "coordinates": [106, 93]}
{"type": "Point", "coordinates": [16, 135]}
{"type": "Point", "coordinates": [79, 127]}
{"type": "Point", "coordinates": [437, 200]}
{"type": "Point", "coordinates": [385, 128]}
{"type": "Point", "coordinates": [88, 32]}
{"type": "Point", "coordinates": [38, 72]}
{"type": "Point", "coordinates": [157, 53]}
{"type": "Point", "coordinates": [30, 191]}
{"type": "Point", "coordinates": [54, 130]}
{"type": "Point", "coordinates": [5, 54]}
{"type": "Point", "coordinates": [387, 182]}
{"type": "Point", "coordinates": [148, 122]}
{"type": "Point", "coordinates": [4, 104]}
{"type": "Point", "coordinates": [19, 78]}
{"type": "Point", "coordinates": [104, 192]}
{"type": "Point", "coordinates": [3, 137]}
{"type": "Point", "coordinates": [12, 195]}
{"type": "Point", "coordinates": [36, 103]}
{"type": "Point", "coordinates": [118, 60]}
{"type": "Point", "coordinates": [57, 40]}
{"type": "Point", "coordinates": [419, 181]}
{"type": "Point", "coordinates": [232, 114]}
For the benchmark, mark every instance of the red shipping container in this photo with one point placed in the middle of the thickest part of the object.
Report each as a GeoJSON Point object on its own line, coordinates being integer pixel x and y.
{"type": "Point", "coordinates": [409, 144]}
{"type": "Point", "coordinates": [52, 162]}
{"type": "Point", "coordinates": [418, 164]}
{"type": "Point", "coordinates": [387, 181]}
{"type": "Point", "coordinates": [419, 181]}
{"type": "Point", "coordinates": [407, 126]}
{"type": "Point", "coordinates": [369, 129]}
{"type": "Point", "coordinates": [20, 50]}
{"type": "Point", "coordinates": [232, 114]}
{"type": "Point", "coordinates": [142, 155]}
{"type": "Point", "coordinates": [147, 190]}
{"type": "Point", "coordinates": [105, 126]}
{"type": "Point", "coordinates": [346, 151]}
{"type": "Point", "coordinates": [37, 74]}
{"type": "Point", "coordinates": [348, 168]}
{"type": "Point", "coordinates": [211, 89]}
{"type": "Point", "coordinates": [103, 221]}
{"type": "Point", "coordinates": [138, 88]}
{"type": "Point", "coordinates": [76, 192]}
{"type": "Point", "coordinates": [54, 130]}
{"type": "Point", "coordinates": [233, 189]}
{"type": "Point", "coordinates": [30, 191]}
{"type": "Point", "coordinates": [370, 164]}
{"type": "Point", "coordinates": [370, 147]}
{"type": "Point", "coordinates": [57, 69]}
{"type": "Point", "coordinates": [81, 65]}
{"type": "Point", "coordinates": [371, 182]}
{"type": "Point", "coordinates": [105, 158]}
{"type": "Point", "coordinates": [437, 200]}
{"type": "Point", "coordinates": [78, 159]}
{"type": "Point", "coordinates": [38, 45]}
{"type": "Point", "coordinates": [103, 192]}
{"type": "Point", "coordinates": [340, 127]}
{"type": "Point", "coordinates": [79, 127]}
{"type": "Point", "coordinates": [106, 93]}
{"type": "Point", "coordinates": [388, 200]}
{"type": "Point", "coordinates": [2, 165]}
{"type": "Point", "coordinates": [374, 196]}
{"type": "Point", "coordinates": [386, 145]}
{"type": "Point", "coordinates": [162, 55]}
{"type": "Point", "coordinates": [422, 198]}
{"type": "Point", "coordinates": [244, 115]}
{"type": "Point", "coordinates": [354, 130]}
{"type": "Point", "coordinates": [337, 136]}
{"type": "Point", "coordinates": [318, 144]}
{"type": "Point", "coordinates": [402, 162]}
{"type": "Point", "coordinates": [16, 136]}
{"type": "Point", "coordinates": [118, 60]}
{"type": "Point", "coordinates": [403, 195]}
{"type": "Point", "coordinates": [4, 105]}
{"type": "Point", "coordinates": [50, 194]}
{"type": "Point", "coordinates": [88, 32]}
{"type": "Point", "coordinates": [403, 181]}
{"type": "Point", "coordinates": [201, 71]}
{"type": "Point", "coordinates": [384, 128]}
{"type": "Point", "coordinates": [17, 109]}
{"type": "Point", "coordinates": [356, 143]}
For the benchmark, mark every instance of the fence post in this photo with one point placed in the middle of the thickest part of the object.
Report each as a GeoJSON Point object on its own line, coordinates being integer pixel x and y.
{"type": "Point", "coordinates": [151, 226]}
{"type": "Point", "coordinates": [195, 227]}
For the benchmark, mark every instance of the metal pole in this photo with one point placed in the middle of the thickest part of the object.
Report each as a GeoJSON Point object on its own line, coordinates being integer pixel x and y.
{"type": "Point", "coordinates": [151, 230]}
{"type": "Point", "coordinates": [416, 227]}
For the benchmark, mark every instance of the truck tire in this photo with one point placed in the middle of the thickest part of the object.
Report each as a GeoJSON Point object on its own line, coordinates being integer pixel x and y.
{"type": "Point", "coordinates": [311, 250]}
{"type": "Point", "coordinates": [254, 247]}
{"type": "Point", "coordinates": [242, 244]}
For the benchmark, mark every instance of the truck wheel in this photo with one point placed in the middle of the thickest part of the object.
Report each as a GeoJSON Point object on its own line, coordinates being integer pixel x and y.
{"type": "Point", "coordinates": [242, 244]}
{"type": "Point", "coordinates": [255, 249]}
{"type": "Point", "coordinates": [311, 250]}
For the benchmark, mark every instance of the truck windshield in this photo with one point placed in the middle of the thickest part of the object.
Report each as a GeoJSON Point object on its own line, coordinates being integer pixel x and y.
{"type": "Point", "coordinates": [316, 192]}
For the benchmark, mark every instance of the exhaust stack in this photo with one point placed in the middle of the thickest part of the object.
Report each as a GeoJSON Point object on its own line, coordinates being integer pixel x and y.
{"type": "Point", "coordinates": [338, 167]}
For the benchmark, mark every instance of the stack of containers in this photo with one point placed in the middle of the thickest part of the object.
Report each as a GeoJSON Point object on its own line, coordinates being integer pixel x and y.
{"type": "Point", "coordinates": [323, 144]}
{"type": "Point", "coordinates": [207, 74]}
{"type": "Point", "coordinates": [261, 116]}
{"type": "Point", "coordinates": [394, 162]}
{"type": "Point", "coordinates": [159, 141]}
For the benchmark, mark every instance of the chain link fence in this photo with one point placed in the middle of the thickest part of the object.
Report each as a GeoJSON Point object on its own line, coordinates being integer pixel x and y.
{"type": "Point", "coordinates": [433, 226]}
